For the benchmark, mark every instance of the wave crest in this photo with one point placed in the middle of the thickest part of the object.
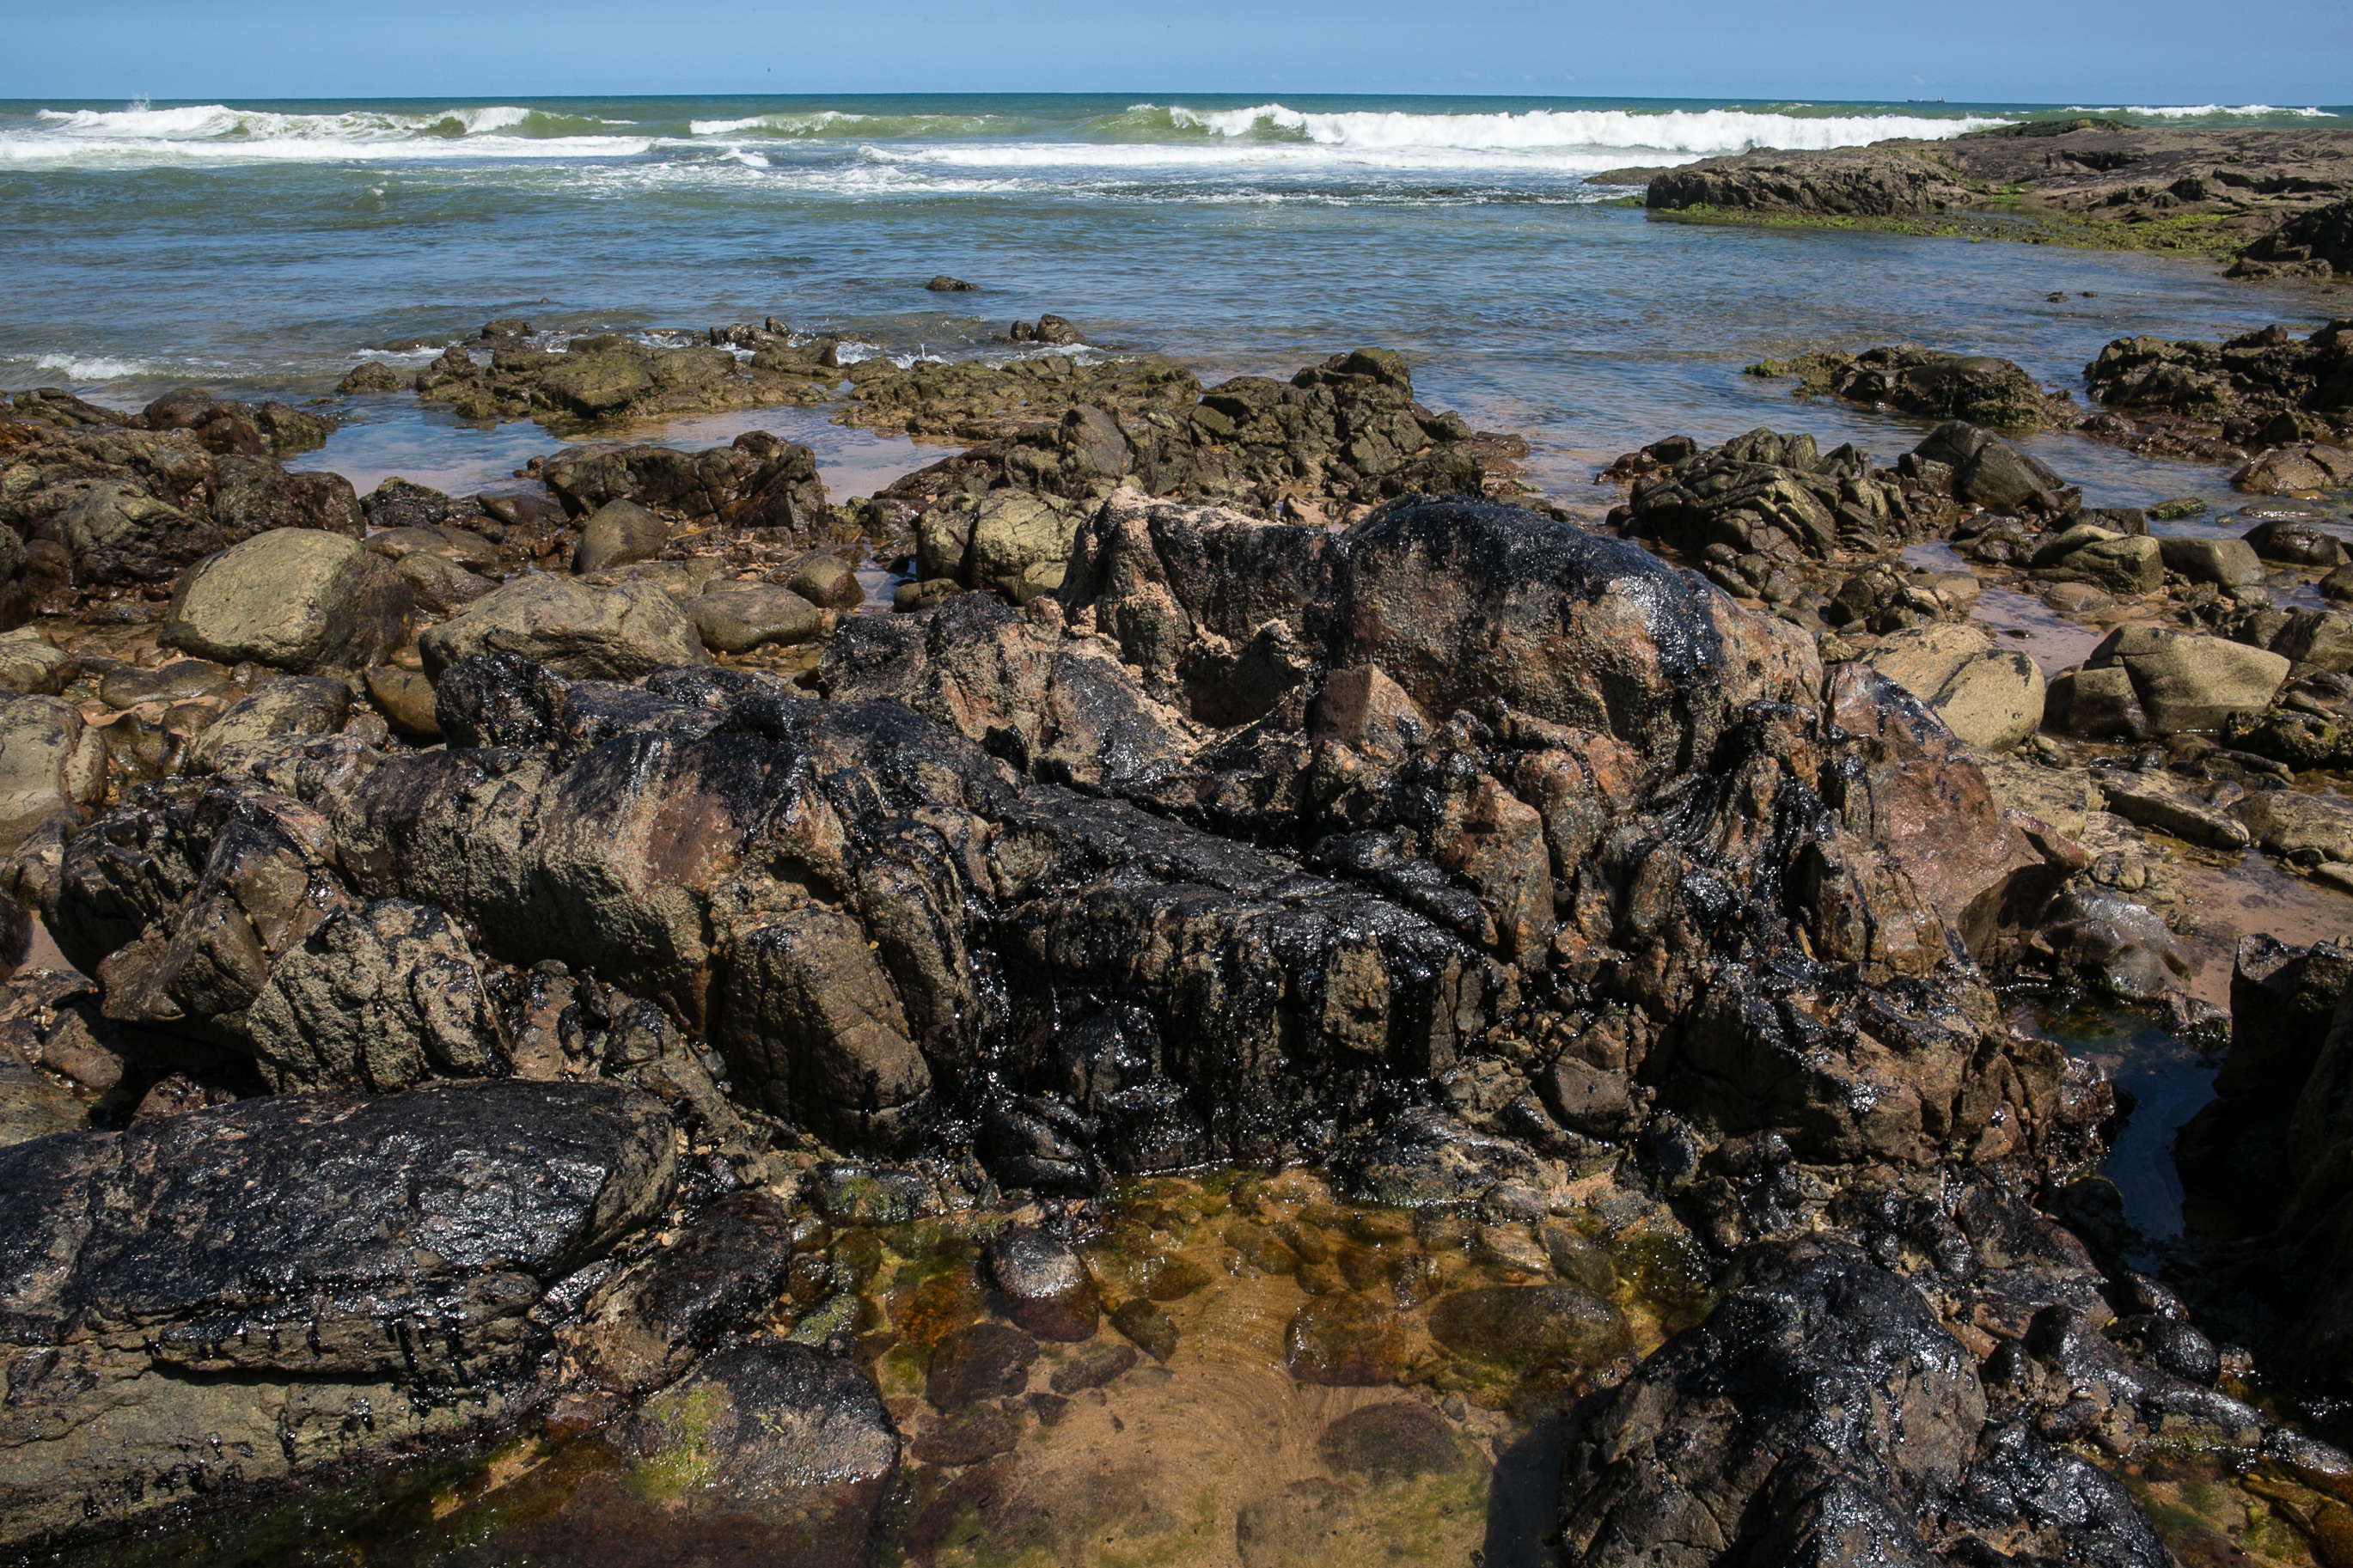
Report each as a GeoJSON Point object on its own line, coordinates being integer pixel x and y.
{"type": "Point", "coordinates": [1704, 133]}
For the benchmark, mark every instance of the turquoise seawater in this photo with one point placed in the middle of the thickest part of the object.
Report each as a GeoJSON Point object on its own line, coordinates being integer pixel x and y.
{"type": "Point", "coordinates": [265, 248]}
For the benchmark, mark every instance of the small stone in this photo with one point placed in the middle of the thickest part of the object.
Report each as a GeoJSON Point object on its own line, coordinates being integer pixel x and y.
{"type": "Point", "coordinates": [943, 284]}
{"type": "Point", "coordinates": [405, 700]}
{"type": "Point", "coordinates": [909, 597]}
{"type": "Point", "coordinates": [1094, 1369]}
{"type": "Point", "coordinates": [1344, 1341]}
{"type": "Point", "coordinates": [986, 1361]}
{"type": "Point", "coordinates": [1387, 1444]}
{"type": "Point", "coordinates": [1524, 1327]}
{"type": "Point", "coordinates": [966, 1437]}
{"type": "Point", "coordinates": [735, 618]}
{"type": "Point", "coordinates": [1175, 1279]}
{"type": "Point", "coordinates": [1147, 1325]}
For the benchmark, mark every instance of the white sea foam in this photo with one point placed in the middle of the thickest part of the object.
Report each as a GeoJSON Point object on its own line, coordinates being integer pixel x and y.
{"type": "Point", "coordinates": [74, 367]}
{"type": "Point", "coordinates": [1700, 132]}
{"type": "Point", "coordinates": [215, 130]}
{"type": "Point", "coordinates": [1271, 158]}
{"type": "Point", "coordinates": [2202, 110]}
{"type": "Point", "coordinates": [827, 122]}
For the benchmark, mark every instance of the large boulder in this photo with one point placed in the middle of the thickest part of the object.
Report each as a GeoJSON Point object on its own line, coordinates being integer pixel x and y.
{"type": "Point", "coordinates": [735, 618]}
{"type": "Point", "coordinates": [1990, 472]}
{"type": "Point", "coordinates": [297, 705]}
{"type": "Point", "coordinates": [1990, 699]}
{"type": "Point", "coordinates": [210, 1296]}
{"type": "Point", "coordinates": [1930, 384]}
{"type": "Point", "coordinates": [617, 533]}
{"type": "Point", "coordinates": [2188, 682]}
{"type": "Point", "coordinates": [999, 885]}
{"type": "Point", "coordinates": [296, 598]}
{"type": "Point", "coordinates": [2226, 563]}
{"type": "Point", "coordinates": [1821, 1415]}
{"type": "Point", "coordinates": [574, 628]}
{"type": "Point", "coordinates": [2126, 566]}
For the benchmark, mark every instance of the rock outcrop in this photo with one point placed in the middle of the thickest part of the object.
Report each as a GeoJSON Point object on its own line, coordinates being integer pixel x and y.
{"type": "Point", "coordinates": [1824, 1415]}
{"type": "Point", "coordinates": [2268, 195]}
{"type": "Point", "coordinates": [1930, 384]}
{"type": "Point", "coordinates": [241, 1320]}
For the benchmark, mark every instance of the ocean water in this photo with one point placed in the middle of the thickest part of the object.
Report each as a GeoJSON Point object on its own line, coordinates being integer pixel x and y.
{"type": "Point", "coordinates": [263, 248]}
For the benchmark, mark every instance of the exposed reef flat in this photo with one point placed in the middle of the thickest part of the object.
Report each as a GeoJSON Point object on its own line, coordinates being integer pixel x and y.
{"type": "Point", "coordinates": [2274, 201]}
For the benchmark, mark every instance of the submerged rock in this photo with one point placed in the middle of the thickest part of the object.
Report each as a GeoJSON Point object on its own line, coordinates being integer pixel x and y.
{"type": "Point", "coordinates": [1931, 384]}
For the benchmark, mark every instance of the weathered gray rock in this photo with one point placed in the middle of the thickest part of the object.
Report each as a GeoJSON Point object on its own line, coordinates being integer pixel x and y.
{"type": "Point", "coordinates": [52, 766]}
{"type": "Point", "coordinates": [299, 705]}
{"type": "Point", "coordinates": [617, 533]}
{"type": "Point", "coordinates": [31, 664]}
{"type": "Point", "coordinates": [369, 375]}
{"type": "Point", "coordinates": [2126, 566]}
{"type": "Point", "coordinates": [2227, 562]}
{"type": "Point", "coordinates": [2190, 682]}
{"type": "Point", "coordinates": [1988, 471]}
{"type": "Point", "coordinates": [2305, 468]}
{"type": "Point", "coordinates": [1013, 534]}
{"type": "Point", "coordinates": [574, 628]}
{"type": "Point", "coordinates": [1992, 698]}
{"type": "Point", "coordinates": [734, 617]}
{"type": "Point", "coordinates": [818, 1030]}
{"type": "Point", "coordinates": [2174, 806]}
{"type": "Point", "coordinates": [458, 546]}
{"type": "Point", "coordinates": [381, 997]}
{"type": "Point", "coordinates": [296, 598]}
{"type": "Point", "coordinates": [2095, 702]}
{"type": "Point", "coordinates": [2291, 823]}
{"type": "Point", "coordinates": [2296, 542]}
{"type": "Point", "coordinates": [441, 584]}
{"type": "Point", "coordinates": [2120, 946]}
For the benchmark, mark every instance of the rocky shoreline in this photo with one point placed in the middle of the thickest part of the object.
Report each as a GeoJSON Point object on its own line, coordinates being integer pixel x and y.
{"type": "Point", "coordinates": [572, 989]}
{"type": "Point", "coordinates": [2275, 202]}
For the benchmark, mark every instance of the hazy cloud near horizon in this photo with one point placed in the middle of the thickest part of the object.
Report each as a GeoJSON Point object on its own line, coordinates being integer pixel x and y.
{"type": "Point", "coordinates": [2157, 51]}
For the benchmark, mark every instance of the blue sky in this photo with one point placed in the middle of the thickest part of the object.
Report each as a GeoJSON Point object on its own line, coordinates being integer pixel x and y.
{"type": "Point", "coordinates": [2284, 52]}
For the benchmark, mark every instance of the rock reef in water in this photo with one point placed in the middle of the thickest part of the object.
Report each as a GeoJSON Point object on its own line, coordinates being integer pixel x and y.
{"type": "Point", "coordinates": [2274, 197]}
